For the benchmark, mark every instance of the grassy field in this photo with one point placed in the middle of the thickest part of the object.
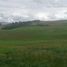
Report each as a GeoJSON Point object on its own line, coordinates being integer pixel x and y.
{"type": "Point", "coordinates": [34, 46]}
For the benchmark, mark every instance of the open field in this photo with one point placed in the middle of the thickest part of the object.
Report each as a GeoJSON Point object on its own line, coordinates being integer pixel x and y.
{"type": "Point", "coordinates": [34, 46]}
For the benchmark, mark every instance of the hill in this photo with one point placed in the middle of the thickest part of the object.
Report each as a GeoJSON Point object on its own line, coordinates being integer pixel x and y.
{"type": "Point", "coordinates": [34, 46]}
{"type": "Point", "coordinates": [14, 25]}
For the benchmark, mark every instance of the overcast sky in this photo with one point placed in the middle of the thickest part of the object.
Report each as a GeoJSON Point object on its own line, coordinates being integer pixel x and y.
{"type": "Point", "coordinates": [14, 10]}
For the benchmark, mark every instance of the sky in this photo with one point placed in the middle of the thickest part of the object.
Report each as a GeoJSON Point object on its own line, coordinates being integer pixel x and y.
{"type": "Point", "coordinates": [24, 10]}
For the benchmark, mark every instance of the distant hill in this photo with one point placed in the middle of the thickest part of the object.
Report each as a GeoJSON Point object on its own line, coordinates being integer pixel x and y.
{"type": "Point", "coordinates": [32, 23]}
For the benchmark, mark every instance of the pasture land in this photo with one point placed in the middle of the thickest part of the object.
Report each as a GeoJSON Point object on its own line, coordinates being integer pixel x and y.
{"type": "Point", "coordinates": [34, 46]}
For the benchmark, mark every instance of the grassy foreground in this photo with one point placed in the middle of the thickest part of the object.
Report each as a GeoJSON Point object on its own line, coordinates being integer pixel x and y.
{"type": "Point", "coordinates": [35, 46]}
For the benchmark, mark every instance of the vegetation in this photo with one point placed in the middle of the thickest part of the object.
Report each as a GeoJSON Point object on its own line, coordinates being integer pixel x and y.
{"type": "Point", "coordinates": [26, 23]}
{"type": "Point", "coordinates": [34, 46]}
{"type": "Point", "coordinates": [31, 23]}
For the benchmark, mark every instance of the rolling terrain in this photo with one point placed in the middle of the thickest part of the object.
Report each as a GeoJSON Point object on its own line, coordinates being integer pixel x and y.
{"type": "Point", "coordinates": [34, 46]}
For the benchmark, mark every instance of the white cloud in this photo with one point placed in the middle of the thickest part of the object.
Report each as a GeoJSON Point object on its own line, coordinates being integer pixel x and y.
{"type": "Point", "coordinates": [11, 10]}
{"type": "Point", "coordinates": [61, 14]}
{"type": "Point", "coordinates": [42, 16]}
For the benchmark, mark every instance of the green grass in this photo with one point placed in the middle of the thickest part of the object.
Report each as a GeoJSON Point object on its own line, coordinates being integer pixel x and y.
{"type": "Point", "coordinates": [34, 46]}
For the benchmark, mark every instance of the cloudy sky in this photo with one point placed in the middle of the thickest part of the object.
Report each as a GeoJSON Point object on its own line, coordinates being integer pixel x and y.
{"type": "Point", "coordinates": [21, 10]}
